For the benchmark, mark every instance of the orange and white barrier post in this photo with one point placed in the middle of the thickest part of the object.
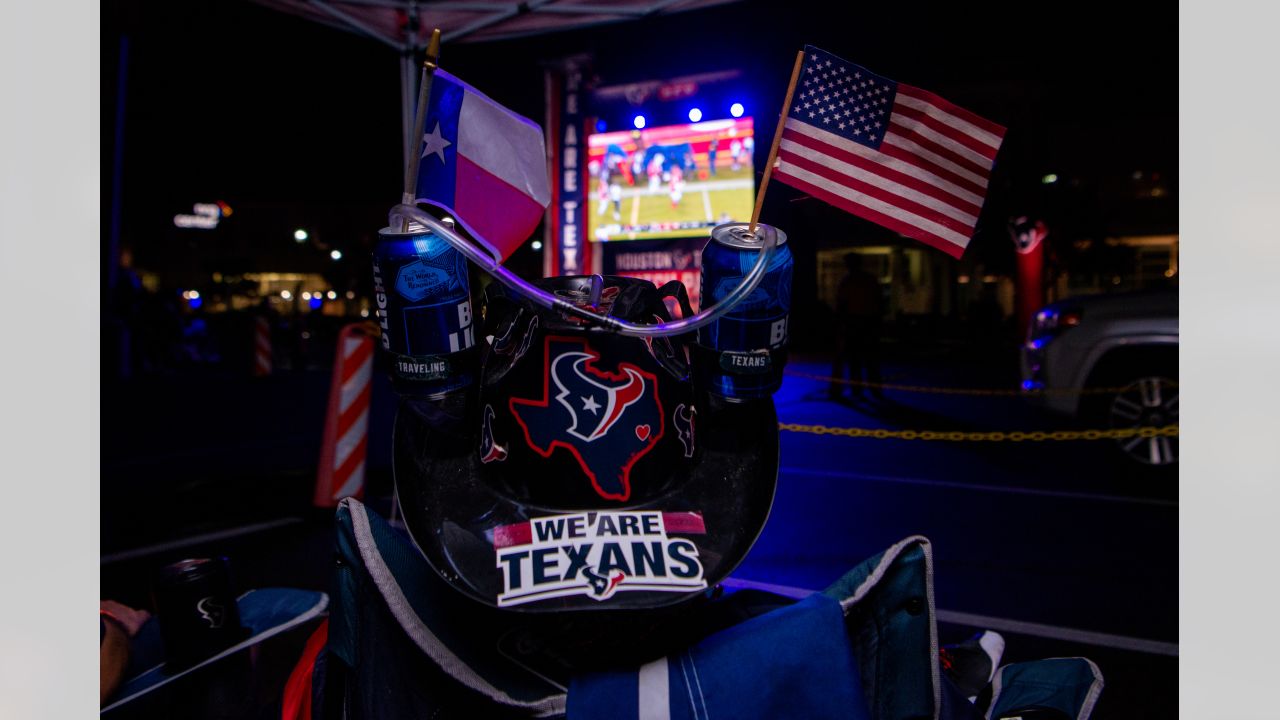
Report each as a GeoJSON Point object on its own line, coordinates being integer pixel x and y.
{"type": "Point", "coordinates": [346, 425]}
{"type": "Point", "coordinates": [262, 347]}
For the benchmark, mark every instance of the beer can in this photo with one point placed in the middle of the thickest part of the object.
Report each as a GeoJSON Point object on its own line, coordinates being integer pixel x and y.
{"type": "Point", "coordinates": [423, 298]}
{"type": "Point", "coordinates": [197, 611]}
{"type": "Point", "coordinates": [744, 351]}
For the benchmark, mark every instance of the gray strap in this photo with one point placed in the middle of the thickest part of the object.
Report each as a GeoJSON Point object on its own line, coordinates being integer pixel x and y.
{"type": "Point", "coordinates": [655, 691]}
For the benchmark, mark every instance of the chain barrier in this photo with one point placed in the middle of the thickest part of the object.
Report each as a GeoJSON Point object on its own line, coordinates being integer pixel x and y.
{"type": "Point", "coordinates": [995, 392]}
{"type": "Point", "coordinates": [984, 436]}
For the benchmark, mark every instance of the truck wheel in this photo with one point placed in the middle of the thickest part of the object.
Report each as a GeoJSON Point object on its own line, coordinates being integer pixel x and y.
{"type": "Point", "coordinates": [1146, 401]}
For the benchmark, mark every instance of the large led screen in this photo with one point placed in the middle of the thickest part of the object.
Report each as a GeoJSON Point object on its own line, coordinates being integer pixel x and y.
{"type": "Point", "coordinates": [671, 181]}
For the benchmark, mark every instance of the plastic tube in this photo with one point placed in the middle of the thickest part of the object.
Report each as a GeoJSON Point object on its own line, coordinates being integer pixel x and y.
{"type": "Point", "coordinates": [494, 267]}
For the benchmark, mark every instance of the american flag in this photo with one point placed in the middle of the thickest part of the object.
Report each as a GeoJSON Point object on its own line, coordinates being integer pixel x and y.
{"type": "Point", "coordinates": [888, 152]}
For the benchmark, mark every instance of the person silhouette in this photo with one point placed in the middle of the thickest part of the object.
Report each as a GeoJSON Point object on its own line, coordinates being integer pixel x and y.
{"type": "Point", "coordinates": [859, 310]}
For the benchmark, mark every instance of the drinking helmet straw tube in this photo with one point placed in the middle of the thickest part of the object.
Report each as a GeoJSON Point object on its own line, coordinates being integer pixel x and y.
{"type": "Point", "coordinates": [494, 267]}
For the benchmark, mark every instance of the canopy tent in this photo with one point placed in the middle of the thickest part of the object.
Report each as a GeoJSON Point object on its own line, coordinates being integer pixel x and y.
{"type": "Point", "coordinates": [407, 26]}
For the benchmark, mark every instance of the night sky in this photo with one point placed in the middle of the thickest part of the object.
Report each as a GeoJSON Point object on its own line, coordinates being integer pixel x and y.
{"type": "Point", "coordinates": [293, 123]}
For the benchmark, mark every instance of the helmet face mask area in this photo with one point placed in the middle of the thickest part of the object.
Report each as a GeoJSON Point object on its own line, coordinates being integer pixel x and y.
{"type": "Point", "coordinates": [585, 472]}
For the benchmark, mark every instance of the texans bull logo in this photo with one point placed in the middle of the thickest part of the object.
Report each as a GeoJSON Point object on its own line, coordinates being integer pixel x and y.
{"type": "Point", "coordinates": [490, 451]}
{"type": "Point", "coordinates": [212, 612]}
{"type": "Point", "coordinates": [682, 418]}
{"type": "Point", "coordinates": [606, 420]}
{"type": "Point", "coordinates": [602, 587]}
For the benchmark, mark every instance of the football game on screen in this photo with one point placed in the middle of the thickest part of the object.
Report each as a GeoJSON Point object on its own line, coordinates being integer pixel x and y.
{"type": "Point", "coordinates": [671, 181]}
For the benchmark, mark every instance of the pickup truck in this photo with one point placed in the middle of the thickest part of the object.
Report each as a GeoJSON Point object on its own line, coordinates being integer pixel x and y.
{"type": "Point", "coordinates": [1112, 362]}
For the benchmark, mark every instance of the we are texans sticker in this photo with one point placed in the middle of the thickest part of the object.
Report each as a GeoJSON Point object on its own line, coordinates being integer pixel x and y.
{"type": "Point", "coordinates": [598, 554]}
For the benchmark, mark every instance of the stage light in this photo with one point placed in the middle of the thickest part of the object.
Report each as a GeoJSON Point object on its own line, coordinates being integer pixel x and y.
{"type": "Point", "coordinates": [335, 254]}
{"type": "Point", "coordinates": [300, 235]}
{"type": "Point", "coordinates": [695, 115]}
{"type": "Point", "coordinates": [286, 295]}
{"type": "Point", "coordinates": [536, 244]}
{"type": "Point", "coordinates": [601, 126]}
{"type": "Point", "coordinates": [331, 295]}
{"type": "Point", "coordinates": [315, 302]}
{"type": "Point", "coordinates": [639, 122]}
{"type": "Point", "coordinates": [195, 303]}
{"type": "Point", "coordinates": [736, 109]}
{"type": "Point", "coordinates": [306, 296]}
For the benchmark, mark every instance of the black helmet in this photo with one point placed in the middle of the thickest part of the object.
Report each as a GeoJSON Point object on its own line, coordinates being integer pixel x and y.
{"type": "Point", "coordinates": [586, 471]}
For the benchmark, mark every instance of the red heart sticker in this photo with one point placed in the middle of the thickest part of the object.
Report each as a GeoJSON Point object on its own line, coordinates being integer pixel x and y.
{"type": "Point", "coordinates": [642, 432]}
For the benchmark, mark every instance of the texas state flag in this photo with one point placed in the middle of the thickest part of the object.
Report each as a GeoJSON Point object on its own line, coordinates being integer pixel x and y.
{"type": "Point", "coordinates": [483, 164]}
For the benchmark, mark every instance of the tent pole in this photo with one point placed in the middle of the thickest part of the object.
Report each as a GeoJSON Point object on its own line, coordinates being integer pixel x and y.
{"type": "Point", "coordinates": [408, 96]}
{"type": "Point", "coordinates": [117, 173]}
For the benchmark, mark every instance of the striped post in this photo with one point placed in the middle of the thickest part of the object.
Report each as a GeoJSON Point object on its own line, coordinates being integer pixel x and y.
{"type": "Point", "coordinates": [262, 347]}
{"type": "Point", "coordinates": [346, 425]}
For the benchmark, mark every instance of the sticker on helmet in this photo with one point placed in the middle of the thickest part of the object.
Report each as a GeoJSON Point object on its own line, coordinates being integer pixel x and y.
{"type": "Point", "coordinates": [598, 554]}
{"type": "Point", "coordinates": [505, 344]}
{"type": "Point", "coordinates": [606, 420]}
{"type": "Point", "coordinates": [682, 418]}
{"type": "Point", "coordinates": [490, 451]}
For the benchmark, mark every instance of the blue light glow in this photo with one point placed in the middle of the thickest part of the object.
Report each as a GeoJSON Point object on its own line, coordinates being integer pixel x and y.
{"type": "Point", "coordinates": [695, 114]}
{"type": "Point", "coordinates": [736, 109]}
{"type": "Point", "coordinates": [601, 126]}
{"type": "Point", "coordinates": [195, 303]}
{"type": "Point", "coordinates": [315, 302]}
{"type": "Point", "coordinates": [639, 122]}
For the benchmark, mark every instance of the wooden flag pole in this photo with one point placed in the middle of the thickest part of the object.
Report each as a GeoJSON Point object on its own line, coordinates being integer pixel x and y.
{"type": "Point", "coordinates": [777, 138]}
{"type": "Point", "coordinates": [420, 119]}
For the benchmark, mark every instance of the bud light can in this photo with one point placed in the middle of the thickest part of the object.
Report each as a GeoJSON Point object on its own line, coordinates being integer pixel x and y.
{"type": "Point", "coordinates": [423, 299]}
{"type": "Point", "coordinates": [748, 344]}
